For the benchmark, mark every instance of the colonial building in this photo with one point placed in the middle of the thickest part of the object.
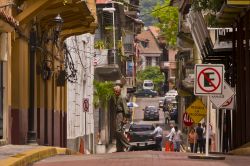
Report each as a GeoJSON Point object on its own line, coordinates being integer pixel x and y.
{"type": "Point", "coordinates": [39, 67]}
{"type": "Point", "coordinates": [7, 25]}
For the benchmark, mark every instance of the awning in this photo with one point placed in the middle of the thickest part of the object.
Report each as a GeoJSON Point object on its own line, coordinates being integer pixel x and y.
{"type": "Point", "coordinates": [229, 12]}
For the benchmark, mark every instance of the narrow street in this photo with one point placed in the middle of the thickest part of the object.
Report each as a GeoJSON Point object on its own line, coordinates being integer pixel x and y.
{"type": "Point", "coordinates": [145, 158]}
{"type": "Point", "coordinates": [143, 102]}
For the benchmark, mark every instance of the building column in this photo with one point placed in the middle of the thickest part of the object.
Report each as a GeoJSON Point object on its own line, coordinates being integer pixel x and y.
{"type": "Point", "coordinates": [247, 76]}
{"type": "Point", "coordinates": [32, 71]}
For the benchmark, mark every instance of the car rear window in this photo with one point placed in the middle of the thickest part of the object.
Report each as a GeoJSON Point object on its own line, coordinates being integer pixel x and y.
{"type": "Point", "coordinates": [137, 128]}
{"type": "Point", "coordinates": [148, 84]}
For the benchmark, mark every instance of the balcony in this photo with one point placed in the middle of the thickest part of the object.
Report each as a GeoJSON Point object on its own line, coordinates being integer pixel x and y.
{"type": "Point", "coordinates": [129, 49]}
{"type": "Point", "coordinates": [166, 65]}
{"type": "Point", "coordinates": [105, 68]}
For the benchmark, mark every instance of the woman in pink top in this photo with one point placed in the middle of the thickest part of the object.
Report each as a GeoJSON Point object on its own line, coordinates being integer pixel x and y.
{"type": "Point", "coordinates": [192, 139]}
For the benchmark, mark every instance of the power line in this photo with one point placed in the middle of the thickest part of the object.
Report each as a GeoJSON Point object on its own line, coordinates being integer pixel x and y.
{"type": "Point", "coordinates": [154, 10]}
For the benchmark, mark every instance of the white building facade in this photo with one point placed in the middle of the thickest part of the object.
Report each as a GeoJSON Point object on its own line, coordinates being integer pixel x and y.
{"type": "Point", "coordinates": [80, 119]}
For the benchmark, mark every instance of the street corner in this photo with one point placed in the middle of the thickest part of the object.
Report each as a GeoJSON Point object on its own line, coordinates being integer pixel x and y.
{"type": "Point", "coordinates": [243, 151]}
{"type": "Point", "coordinates": [28, 157]}
{"type": "Point", "coordinates": [66, 151]}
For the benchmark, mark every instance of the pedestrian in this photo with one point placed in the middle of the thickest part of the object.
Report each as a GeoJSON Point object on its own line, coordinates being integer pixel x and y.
{"type": "Point", "coordinates": [170, 136]}
{"type": "Point", "coordinates": [192, 136]}
{"type": "Point", "coordinates": [204, 126]}
{"type": "Point", "coordinates": [177, 138]}
{"type": "Point", "coordinates": [122, 114]}
{"type": "Point", "coordinates": [200, 141]}
{"type": "Point", "coordinates": [158, 133]}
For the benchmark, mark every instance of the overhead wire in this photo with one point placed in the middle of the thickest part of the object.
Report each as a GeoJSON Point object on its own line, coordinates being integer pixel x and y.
{"type": "Point", "coordinates": [154, 10]}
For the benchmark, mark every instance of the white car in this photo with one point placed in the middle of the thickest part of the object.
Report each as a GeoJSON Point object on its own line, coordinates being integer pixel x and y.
{"type": "Point", "coordinates": [171, 94]}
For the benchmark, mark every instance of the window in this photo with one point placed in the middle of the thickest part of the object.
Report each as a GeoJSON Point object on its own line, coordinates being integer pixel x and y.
{"type": "Point", "coordinates": [148, 61]}
{"type": "Point", "coordinates": [157, 61]}
{"type": "Point", "coordinates": [145, 43]}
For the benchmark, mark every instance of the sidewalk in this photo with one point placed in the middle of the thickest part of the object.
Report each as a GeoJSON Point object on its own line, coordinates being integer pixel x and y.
{"type": "Point", "coordinates": [21, 155]}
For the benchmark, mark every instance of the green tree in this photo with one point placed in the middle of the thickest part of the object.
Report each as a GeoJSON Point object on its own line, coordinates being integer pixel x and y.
{"type": "Point", "coordinates": [146, 7]}
{"type": "Point", "coordinates": [168, 21]}
{"type": "Point", "coordinates": [103, 92]}
{"type": "Point", "coordinates": [151, 73]}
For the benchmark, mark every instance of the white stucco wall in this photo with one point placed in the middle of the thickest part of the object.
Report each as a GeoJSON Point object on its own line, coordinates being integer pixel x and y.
{"type": "Point", "coordinates": [82, 51]}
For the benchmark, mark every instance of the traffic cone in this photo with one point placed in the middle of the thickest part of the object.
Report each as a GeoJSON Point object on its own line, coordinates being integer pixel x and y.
{"type": "Point", "coordinates": [169, 146]}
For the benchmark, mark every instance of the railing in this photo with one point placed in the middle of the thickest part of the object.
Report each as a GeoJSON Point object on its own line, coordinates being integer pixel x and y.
{"type": "Point", "coordinates": [104, 57]}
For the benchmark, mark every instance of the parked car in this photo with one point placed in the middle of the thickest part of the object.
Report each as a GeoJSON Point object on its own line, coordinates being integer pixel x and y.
{"type": "Point", "coordinates": [151, 113]}
{"type": "Point", "coordinates": [145, 93]}
{"type": "Point", "coordinates": [140, 137]}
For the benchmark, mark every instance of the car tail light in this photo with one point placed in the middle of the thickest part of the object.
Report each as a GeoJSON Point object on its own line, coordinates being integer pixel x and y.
{"type": "Point", "coordinates": [128, 137]}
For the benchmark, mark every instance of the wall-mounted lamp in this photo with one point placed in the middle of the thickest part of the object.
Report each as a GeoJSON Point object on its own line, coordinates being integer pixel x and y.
{"type": "Point", "coordinates": [58, 21]}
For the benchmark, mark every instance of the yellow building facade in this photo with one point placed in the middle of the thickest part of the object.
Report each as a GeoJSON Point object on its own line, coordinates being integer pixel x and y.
{"type": "Point", "coordinates": [38, 67]}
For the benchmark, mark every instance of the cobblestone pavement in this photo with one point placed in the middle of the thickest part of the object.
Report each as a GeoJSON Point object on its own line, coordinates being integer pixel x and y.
{"type": "Point", "coordinates": [141, 158]}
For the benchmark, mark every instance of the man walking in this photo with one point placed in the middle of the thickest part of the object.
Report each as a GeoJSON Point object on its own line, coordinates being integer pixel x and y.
{"type": "Point", "coordinates": [200, 141]}
{"type": "Point", "coordinates": [122, 114]}
{"type": "Point", "coordinates": [158, 133]}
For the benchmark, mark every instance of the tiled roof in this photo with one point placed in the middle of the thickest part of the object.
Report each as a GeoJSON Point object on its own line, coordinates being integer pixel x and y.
{"type": "Point", "coordinates": [8, 19]}
{"type": "Point", "coordinates": [153, 47]}
{"type": "Point", "coordinates": [155, 31]}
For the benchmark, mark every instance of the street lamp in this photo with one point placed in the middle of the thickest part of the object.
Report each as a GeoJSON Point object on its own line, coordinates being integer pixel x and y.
{"type": "Point", "coordinates": [112, 10]}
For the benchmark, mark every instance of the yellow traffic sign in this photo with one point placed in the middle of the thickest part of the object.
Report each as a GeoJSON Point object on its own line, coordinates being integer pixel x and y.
{"type": "Point", "coordinates": [197, 111]}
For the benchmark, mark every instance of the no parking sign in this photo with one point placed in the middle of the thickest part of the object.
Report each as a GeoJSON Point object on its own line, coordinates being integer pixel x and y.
{"type": "Point", "coordinates": [208, 79]}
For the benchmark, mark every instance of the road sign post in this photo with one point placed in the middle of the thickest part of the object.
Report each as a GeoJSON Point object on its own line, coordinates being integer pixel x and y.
{"type": "Point", "coordinates": [209, 80]}
{"type": "Point", "coordinates": [207, 125]}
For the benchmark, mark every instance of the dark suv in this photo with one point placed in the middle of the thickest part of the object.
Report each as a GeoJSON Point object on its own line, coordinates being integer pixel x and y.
{"type": "Point", "coordinates": [151, 113]}
{"type": "Point", "coordinates": [145, 93]}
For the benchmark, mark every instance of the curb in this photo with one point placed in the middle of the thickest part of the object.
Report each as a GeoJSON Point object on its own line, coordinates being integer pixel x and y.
{"type": "Point", "coordinates": [30, 156]}
{"type": "Point", "coordinates": [240, 151]}
{"type": "Point", "coordinates": [203, 157]}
